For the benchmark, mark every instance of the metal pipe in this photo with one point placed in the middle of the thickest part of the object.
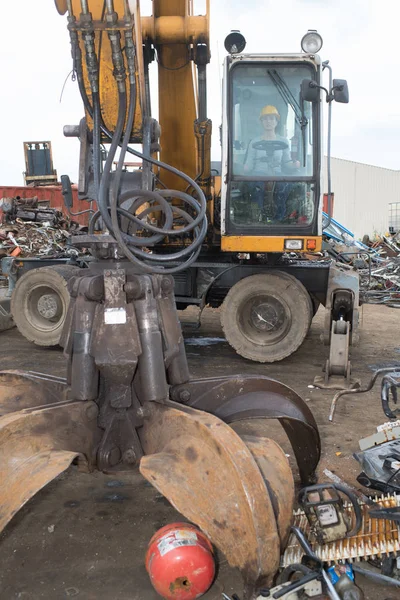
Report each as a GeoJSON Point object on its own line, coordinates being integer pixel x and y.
{"type": "Point", "coordinates": [85, 8]}
{"type": "Point", "coordinates": [69, 8]}
{"type": "Point", "coordinates": [110, 6]}
{"type": "Point", "coordinates": [360, 390]}
{"type": "Point", "coordinates": [127, 10]}
{"type": "Point", "coordinates": [327, 66]}
{"type": "Point", "coordinates": [202, 81]}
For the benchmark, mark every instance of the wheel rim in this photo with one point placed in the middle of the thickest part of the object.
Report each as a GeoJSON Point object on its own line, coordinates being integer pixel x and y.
{"type": "Point", "coordinates": [264, 319]}
{"type": "Point", "coordinates": [44, 307]}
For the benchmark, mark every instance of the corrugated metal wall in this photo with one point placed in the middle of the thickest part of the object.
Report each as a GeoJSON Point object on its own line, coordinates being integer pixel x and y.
{"type": "Point", "coordinates": [362, 195]}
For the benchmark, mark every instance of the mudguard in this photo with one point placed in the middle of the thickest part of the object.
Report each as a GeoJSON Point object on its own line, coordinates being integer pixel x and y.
{"type": "Point", "coordinates": [238, 398]}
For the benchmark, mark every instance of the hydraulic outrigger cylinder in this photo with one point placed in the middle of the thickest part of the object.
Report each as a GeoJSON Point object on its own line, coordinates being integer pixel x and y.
{"type": "Point", "coordinates": [128, 401]}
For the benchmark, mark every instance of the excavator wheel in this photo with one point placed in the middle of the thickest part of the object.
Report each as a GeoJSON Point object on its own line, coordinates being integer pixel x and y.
{"type": "Point", "coordinates": [40, 301]}
{"type": "Point", "coordinates": [266, 317]}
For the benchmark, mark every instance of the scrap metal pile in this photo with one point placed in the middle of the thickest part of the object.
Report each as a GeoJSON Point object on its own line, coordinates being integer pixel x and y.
{"type": "Point", "coordinates": [30, 228]}
{"type": "Point", "coordinates": [377, 262]}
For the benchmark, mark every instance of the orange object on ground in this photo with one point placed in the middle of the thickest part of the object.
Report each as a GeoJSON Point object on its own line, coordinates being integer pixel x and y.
{"type": "Point", "coordinates": [180, 562]}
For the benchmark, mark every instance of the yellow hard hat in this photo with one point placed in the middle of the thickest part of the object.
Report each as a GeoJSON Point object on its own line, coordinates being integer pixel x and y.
{"type": "Point", "coordinates": [270, 110]}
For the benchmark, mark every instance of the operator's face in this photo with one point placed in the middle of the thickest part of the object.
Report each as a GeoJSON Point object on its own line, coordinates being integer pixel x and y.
{"type": "Point", "coordinates": [269, 122]}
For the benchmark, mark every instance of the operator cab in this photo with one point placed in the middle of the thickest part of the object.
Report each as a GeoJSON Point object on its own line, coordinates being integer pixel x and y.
{"type": "Point", "coordinates": [271, 147]}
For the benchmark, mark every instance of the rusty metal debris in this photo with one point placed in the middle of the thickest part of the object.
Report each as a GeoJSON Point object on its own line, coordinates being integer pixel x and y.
{"type": "Point", "coordinates": [31, 228]}
{"type": "Point", "coordinates": [376, 537]}
{"type": "Point", "coordinates": [377, 262]}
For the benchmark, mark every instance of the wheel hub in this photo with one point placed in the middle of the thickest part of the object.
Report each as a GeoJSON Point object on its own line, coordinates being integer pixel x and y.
{"type": "Point", "coordinates": [265, 316]}
{"type": "Point", "coordinates": [48, 306]}
{"type": "Point", "coordinates": [265, 319]}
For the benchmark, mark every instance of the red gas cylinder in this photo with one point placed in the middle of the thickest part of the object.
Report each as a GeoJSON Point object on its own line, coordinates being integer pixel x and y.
{"type": "Point", "coordinates": [180, 562]}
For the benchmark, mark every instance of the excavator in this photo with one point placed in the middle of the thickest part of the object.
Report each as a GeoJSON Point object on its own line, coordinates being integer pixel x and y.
{"type": "Point", "coordinates": [263, 199]}
{"type": "Point", "coordinates": [128, 401]}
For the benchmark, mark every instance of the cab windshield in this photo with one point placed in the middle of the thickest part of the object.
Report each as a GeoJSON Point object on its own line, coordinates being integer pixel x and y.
{"type": "Point", "coordinates": [271, 146]}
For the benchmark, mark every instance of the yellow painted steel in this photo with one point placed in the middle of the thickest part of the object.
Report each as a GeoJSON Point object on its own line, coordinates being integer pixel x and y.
{"type": "Point", "coordinates": [61, 6]}
{"type": "Point", "coordinates": [176, 98]}
{"type": "Point", "coordinates": [259, 243]}
{"type": "Point", "coordinates": [175, 30]}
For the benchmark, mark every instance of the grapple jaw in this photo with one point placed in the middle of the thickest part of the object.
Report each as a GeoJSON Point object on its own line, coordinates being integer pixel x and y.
{"type": "Point", "coordinates": [240, 398]}
{"type": "Point", "coordinates": [39, 436]}
{"type": "Point", "coordinates": [239, 492]}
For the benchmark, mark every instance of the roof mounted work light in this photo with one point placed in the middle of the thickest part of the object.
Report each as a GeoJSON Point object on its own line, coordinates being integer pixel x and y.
{"type": "Point", "coordinates": [235, 42]}
{"type": "Point", "coordinates": [311, 42]}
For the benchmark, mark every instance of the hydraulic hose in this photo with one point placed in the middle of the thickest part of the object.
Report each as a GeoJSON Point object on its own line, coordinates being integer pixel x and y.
{"type": "Point", "coordinates": [96, 141]}
{"type": "Point", "coordinates": [192, 219]}
{"type": "Point", "coordinates": [131, 245]}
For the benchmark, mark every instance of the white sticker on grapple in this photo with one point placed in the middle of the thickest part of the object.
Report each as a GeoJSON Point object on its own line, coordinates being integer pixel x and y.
{"type": "Point", "coordinates": [114, 316]}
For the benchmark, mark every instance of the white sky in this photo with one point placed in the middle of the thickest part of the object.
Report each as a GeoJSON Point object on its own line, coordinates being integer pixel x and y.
{"type": "Point", "coordinates": [360, 39]}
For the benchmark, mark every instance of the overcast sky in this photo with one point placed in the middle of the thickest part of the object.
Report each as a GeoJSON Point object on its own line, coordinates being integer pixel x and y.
{"type": "Point", "coordinates": [361, 41]}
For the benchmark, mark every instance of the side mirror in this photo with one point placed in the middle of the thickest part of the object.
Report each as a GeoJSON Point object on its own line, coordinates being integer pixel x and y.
{"type": "Point", "coordinates": [309, 90]}
{"type": "Point", "coordinates": [340, 91]}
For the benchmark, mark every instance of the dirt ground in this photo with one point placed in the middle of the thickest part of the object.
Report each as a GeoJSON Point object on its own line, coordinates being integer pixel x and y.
{"type": "Point", "coordinates": [85, 536]}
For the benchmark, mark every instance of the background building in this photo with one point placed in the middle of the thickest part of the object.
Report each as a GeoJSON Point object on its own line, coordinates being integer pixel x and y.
{"type": "Point", "coordinates": [365, 196]}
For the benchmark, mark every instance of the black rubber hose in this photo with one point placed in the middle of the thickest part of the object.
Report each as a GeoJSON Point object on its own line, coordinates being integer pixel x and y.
{"type": "Point", "coordinates": [134, 254]}
{"type": "Point", "coordinates": [197, 225]}
{"type": "Point", "coordinates": [311, 576]}
{"type": "Point", "coordinates": [356, 506]}
{"type": "Point", "coordinates": [289, 571]}
{"type": "Point", "coordinates": [104, 184]}
{"type": "Point", "coordinates": [378, 577]}
{"type": "Point", "coordinates": [96, 141]}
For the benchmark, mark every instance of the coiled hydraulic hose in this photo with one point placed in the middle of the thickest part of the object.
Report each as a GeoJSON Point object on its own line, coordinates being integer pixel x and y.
{"type": "Point", "coordinates": [110, 199]}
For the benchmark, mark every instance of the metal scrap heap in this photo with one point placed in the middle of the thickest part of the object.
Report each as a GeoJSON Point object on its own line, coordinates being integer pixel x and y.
{"type": "Point", "coordinates": [31, 228]}
{"type": "Point", "coordinates": [377, 261]}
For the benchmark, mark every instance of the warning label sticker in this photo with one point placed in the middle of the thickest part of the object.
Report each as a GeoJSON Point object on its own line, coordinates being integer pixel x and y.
{"type": "Point", "coordinates": [176, 540]}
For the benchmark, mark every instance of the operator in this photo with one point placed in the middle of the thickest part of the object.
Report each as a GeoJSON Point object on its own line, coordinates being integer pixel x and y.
{"type": "Point", "coordinates": [267, 161]}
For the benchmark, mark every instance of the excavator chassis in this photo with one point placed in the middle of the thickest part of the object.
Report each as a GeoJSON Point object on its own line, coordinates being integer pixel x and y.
{"type": "Point", "coordinates": [118, 410]}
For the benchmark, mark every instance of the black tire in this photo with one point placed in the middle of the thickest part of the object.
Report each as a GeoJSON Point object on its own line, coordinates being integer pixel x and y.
{"type": "Point", "coordinates": [249, 304]}
{"type": "Point", "coordinates": [315, 305]}
{"type": "Point", "coordinates": [40, 301]}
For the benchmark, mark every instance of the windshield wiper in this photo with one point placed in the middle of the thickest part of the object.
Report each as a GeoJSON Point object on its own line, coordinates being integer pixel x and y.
{"type": "Point", "coordinates": [289, 98]}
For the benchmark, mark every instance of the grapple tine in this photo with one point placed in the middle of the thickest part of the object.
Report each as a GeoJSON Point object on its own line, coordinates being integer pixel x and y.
{"type": "Point", "coordinates": [243, 397]}
{"type": "Point", "coordinates": [20, 390]}
{"type": "Point", "coordinates": [209, 474]}
{"type": "Point", "coordinates": [275, 469]}
{"type": "Point", "coordinates": [37, 445]}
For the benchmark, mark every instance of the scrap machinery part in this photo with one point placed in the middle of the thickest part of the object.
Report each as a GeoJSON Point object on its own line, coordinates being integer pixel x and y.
{"type": "Point", "coordinates": [376, 537]}
{"type": "Point", "coordinates": [387, 391]}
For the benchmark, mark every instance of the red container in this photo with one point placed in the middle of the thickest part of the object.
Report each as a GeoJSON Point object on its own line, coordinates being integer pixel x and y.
{"type": "Point", "coordinates": [180, 562]}
{"type": "Point", "coordinates": [52, 194]}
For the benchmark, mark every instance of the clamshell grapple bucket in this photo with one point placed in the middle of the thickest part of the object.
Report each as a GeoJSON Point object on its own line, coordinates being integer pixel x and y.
{"type": "Point", "coordinates": [239, 491]}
